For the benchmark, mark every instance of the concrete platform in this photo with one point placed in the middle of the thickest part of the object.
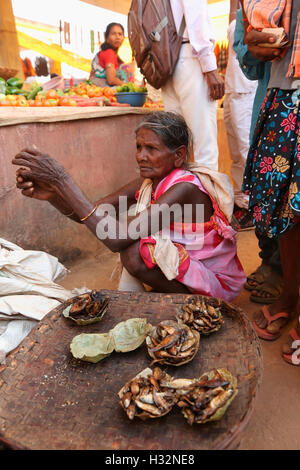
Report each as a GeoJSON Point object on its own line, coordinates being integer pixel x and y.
{"type": "Point", "coordinates": [275, 423]}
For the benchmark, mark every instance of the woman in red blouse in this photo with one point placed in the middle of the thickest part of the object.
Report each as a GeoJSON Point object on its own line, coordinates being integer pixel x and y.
{"type": "Point", "coordinates": [107, 67]}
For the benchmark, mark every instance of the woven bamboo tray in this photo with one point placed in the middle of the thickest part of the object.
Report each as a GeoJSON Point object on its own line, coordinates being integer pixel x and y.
{"type": "Point", "coordinates": [49, 400]}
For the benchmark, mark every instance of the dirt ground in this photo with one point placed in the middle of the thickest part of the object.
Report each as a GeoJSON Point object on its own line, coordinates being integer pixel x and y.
{"type": "Point", "coordinates": [275, 423]}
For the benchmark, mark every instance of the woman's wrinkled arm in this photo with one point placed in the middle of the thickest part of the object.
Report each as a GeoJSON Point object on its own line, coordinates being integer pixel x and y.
{"type": "Point", "coordinates": [42, 177]}
{"type": "Point", "coordinates": [116, 233]}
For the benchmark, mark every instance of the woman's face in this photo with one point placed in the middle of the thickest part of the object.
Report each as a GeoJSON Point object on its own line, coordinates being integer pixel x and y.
{"type": "Point", "coordinates": [155, 160]}
{"type": "Point", "coordinates": [115, 37]}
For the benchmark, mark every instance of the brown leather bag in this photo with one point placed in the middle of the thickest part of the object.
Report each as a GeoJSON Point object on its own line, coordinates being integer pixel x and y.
{"type": "Point", "coordinates": [154, 40]}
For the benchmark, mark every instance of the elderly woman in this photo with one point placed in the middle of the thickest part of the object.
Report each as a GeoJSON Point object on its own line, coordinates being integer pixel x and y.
{"type": "Point", "coordinates": [179, 238]}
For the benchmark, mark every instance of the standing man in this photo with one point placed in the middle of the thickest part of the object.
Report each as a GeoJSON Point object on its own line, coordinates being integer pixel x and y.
{"type": "Point", "coordinates": [195, 84]}
{"type": "Point", "coordinates": [238, 106]}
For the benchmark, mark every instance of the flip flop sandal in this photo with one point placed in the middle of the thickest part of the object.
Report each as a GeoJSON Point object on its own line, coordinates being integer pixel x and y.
{"type": "Point", "coordinates": [262, 332]}
{"type": "Point", "coordinates": [259, 276]}
{"type": "Point", "coordinates": [289, 357]}
{"type": "Point", "coordinates": [273, 286]}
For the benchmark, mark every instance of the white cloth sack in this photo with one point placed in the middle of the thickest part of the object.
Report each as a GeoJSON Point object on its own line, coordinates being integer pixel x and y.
{"type": "Point", "coordinates": [27, 292]}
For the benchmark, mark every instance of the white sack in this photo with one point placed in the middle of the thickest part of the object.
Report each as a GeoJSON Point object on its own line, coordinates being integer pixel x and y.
{"type": "Point", "coordinates": [27, 292]}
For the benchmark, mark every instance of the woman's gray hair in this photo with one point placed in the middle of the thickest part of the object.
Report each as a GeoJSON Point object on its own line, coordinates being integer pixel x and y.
{"type": "Point", "coordinates": [171, 128]}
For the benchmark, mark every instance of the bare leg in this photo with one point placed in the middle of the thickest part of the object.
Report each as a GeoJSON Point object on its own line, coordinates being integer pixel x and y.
{"type": "Point", "coordinates": [290, 258]}
{"type": "Point", "coordinates": [133, 262]}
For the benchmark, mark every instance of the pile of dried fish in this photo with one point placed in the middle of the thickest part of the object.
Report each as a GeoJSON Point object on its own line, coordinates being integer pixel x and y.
{"type": "Point", "coordinates": [152, 394]}
{"type": "Point", "coordinates": [207, 398]}
{"type": "Point", "coordinates": [201, 316]}
{"type": "Point", "coordinates": [145, 397]}
{"type": "Point", "coordinates": [172, 343]}
{"type": "Point", "coordinates": [87, 308]}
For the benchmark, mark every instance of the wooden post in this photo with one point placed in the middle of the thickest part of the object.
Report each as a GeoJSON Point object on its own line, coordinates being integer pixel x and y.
{"type": "Point", "coordinates": [9, 47]}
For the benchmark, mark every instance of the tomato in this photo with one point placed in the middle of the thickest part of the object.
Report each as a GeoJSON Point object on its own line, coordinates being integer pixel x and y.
{"type": "Point", "coordinates": [72, 103]}
{"type": "Point", "coordinates": [51, 102]}
{"type": "Point", "coordinates": [51, 94]}
{"type": "Point", "coordinates": [38, 103]}
{"type": "Point", "coordinates": [107, 91]}
{"type": "Point", "coordinates": [22, 101]}
{"type": "Point", "coordinates": [11, 98]}
{"type": "Point", "coordinates": [31, 102]}
{"type": "Point", "coordinates": [91, 93]}
{"type": "Point", "coordinates": [64, 101]}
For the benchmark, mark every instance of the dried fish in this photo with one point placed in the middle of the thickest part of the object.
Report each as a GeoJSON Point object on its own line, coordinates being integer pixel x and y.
{"type": "Point", "coordinates": [127, 399]}
{"type": "Point", "coordinates": [134, 388]}
{"type": "Point", "coordinates": [153, 399]}
{"type": "Point", "coordinates": [149, 398]}
{"type": "Point", "coordinates": [178, 347]}
{"type": "Point", "coordinates": [166, 343]}
{"type": "Point", "coordinates": [87, 308]}
{"type": "Point", "coordinates": [201, 316]}
{"type": "Point", "coordinates": [207, 398]}
{"type": "Point", "coordinates": [82, 302]}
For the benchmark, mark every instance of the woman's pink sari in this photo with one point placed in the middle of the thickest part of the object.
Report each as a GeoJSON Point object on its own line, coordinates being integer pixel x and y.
{"type": "Point", "coordinates": [208, 262]}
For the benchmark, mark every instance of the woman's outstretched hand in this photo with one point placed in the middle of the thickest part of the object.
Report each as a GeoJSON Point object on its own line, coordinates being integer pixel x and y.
{"type": "Point", "coordinates": [36, 190]}
{"type": "Point", "coordinates": [40, 176]}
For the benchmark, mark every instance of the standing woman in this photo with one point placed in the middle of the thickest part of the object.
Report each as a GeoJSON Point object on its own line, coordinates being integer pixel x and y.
{"type": "Point", "coordinates": [272, 174]}
{"type": "Point", "coordinates": [108, 69]}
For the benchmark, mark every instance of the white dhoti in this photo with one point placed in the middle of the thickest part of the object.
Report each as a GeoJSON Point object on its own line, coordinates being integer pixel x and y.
{"type": "Point", "coordinates": [187, 93]}
{"type": "Point", "coordinates": [237, 117]}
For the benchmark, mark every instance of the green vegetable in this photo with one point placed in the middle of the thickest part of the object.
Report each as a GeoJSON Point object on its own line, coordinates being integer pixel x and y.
{"type": "Point", "coordinates": [2, 88]}
{"type": "Point", "coordinates": [32, 94]}
{"type": "Point", "coordinates": [2, 80]}
{"type": "Point", "coordinates": [12, 90]}
{"type": "Point", "coordinates": [15, 82]}
{"type": "Point", "coordinates": [24, 92]}
{"type": "Point", "coordinates": [131, 88]}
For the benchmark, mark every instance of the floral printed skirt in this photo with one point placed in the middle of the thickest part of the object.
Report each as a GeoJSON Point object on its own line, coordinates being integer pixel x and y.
{"type": "Point", "coordinates": [272, 173]}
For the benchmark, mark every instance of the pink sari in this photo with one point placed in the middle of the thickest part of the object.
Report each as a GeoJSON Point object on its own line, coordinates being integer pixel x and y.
{"type": "Point", "coordinates": [208, 261]}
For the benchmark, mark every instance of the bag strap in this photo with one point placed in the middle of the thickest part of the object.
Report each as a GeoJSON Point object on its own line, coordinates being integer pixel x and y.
{"type": "Point", "coordinates": [182, 26]}
{"type": "Point", "coordinates": [155, 34]}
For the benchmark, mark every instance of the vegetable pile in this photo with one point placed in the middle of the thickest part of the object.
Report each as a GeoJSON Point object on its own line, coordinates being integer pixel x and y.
{"type": "Point", "coordinates": [85, 93]}
{"type": "Point", "coordinates": [13, 92]}
{"type": "Point", "coordinates": [131, 88]}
